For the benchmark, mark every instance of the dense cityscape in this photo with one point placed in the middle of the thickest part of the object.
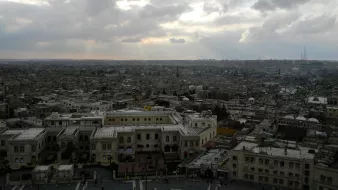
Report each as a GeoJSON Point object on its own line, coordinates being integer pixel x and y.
{"type": "Point", "coordinates": [202, 124]}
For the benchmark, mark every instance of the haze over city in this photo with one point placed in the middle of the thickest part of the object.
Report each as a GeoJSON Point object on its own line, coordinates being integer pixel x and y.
{"type": "Point", "coordinates": [175, 29]}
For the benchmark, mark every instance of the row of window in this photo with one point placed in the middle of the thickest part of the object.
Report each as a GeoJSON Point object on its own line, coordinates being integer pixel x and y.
{"type": "Point", "coordinates": [22, 148]}
{"type": "Point", "coordinates": [294, 123]}
{"type": "Point", "coordinates": [191, 143]}
{"type": "Point", "coordinates": [276, 163]}
{"type": "Point", "coordinates": [122, 139]}
{"type": "Point", "coordinates": [325, 179]}
{"type": "Point", "coordinates": [134, 119]}
{"type": "Point", "coordinates": [17, 160]}
{"type": "Point", "coordinates": [291, 183]}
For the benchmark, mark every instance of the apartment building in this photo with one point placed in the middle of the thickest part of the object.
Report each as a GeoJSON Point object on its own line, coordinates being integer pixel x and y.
{"type": "Point", "coordinates": [94, 119]}
{"type": "Point", "coordinates": [25, 149]}
{"type": "Point", "coordinates": [300, 122]}
{"type": "Point", "coordinates": [326, 177]}
{"type": "Point", "coordinates": [132, 131]}
{"type": "Point", "coordinates": [291, 166]}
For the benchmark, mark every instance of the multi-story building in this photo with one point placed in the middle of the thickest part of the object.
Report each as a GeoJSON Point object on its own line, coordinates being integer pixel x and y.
{"type": "Point", "coordinates": [291, 166]}
{"type": "Point", "coordinates": [131, 131]}
{"type": "Point", "coordinates": [300, 122]}
{"type": "Point", "coordinates": [74, 119]}
{"type": "Point", "coordinates": [25, 149]}
{"type": "Point", "coordinates": [326, 177]}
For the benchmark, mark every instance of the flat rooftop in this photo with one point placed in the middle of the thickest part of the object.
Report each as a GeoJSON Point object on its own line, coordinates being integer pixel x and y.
{"type": "Point", "coordinates": [30, 134]}
{"type": "Point", "coordinates": [65, 167]}
{"type": "Point", "coordinates": [41, 168]}
{"type": "Point", "coordinates": [13, 132]}
{"type": "Point", "coordinates": [213, 156]}
{"type": "Point", "coordinates": [300, 153]}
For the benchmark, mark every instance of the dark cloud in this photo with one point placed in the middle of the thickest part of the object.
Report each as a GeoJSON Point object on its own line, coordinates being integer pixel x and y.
{"type": "Point", "coordinates": [270, 5]}
{"type": "Point", "coordinates": [177, 40]}
{"type": "Point", "coordinates": [170, 11]}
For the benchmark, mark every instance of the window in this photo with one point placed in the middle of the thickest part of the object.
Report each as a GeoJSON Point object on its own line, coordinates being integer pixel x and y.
{"type": "Point", "coordinates": [33, 148]}
{"type": "Point", "coordinates": [267, 162]}
{"type": "Point", "coordinates": [202, 142]}
{"type": "Point", "coordinates": [121, 119]}
{"type": "Point", "coordinates": [297, 165]}
{"type": "Point", "coordinates": [121, 140]}
{"type": "Point", "coordinates": [60, 122]}
{"type": "Point", "coordinates": [81, 138]}
{"type": "Point", "coordinates": [93, 146]}
{"type": "Point", "coordinates": [297, 175]}
{"type": "Point", "coordinates": [260, 178]}
{"type": "Point", "coordinates": [52, 122]}
{"type": "Point", "coordinates": [275, 172]}
{"type": "Point", "coordinates": [281, 173]}
{"type": "Point", "coordinates": [281, 164]}
{"type": "Point", "coordinates": [160, 119]}
{"type": "Point", "coordinates": [109, 146]}
{"type": "Point", "coordinates": [167, 139]}
{"type": "Point", "coordinates": [138, 119]}
{"type": "Point", "coordinates": [234, 157]}
{"type": "Point", "coordinates": [191, 144]}
{"type": "Point", "coordinates": [174, 138]}
{"type": "Point", "coordinates": [329, 180]}
{"type": "Point", "coordinates": [145, 119]}
{"type": "Point", "coordinates": [156, 119]}
{"type": "Point", "coordinates": [63, 144]}
{"type": "Point", "coordinates": [147, 145]}
{"type": "Point", "coordinates": [129, 140]}
{"type": "Point", "coordinates": [196, 143]}
{"type": "Point", "coordinates": [126, 119]}
{"type": "Point", "coordinates": [86, 137]}
{"type": "Point", "coordinates": [253, 169]}
{"type": "Point", "coordinates": [104, 157]}
{"type": "Point", "coordinates": [246, 176]}
{"type": "Point", "coordinates": [21, 160]}
{"type": "Point", "coordinates": [307, 173]}
{"type": "Point", "coordinates": [213, 133]}
{"type": "Point", "coordinates": [156, 136]}
{"type": "Point", "coordinates": [267, 171]}
{"type": "Point", "coordinates": [275, 180]}
{"type": "Point", "coordinates": [260, 161]}
{"type": "Point", "coordinates": [322, 178]}
{"type": "Point", "coordinates": [252, 177]}
{"type": "Point", "coordinates": [3, 143]}
{"type": "Point", "coordinates": [16, 160]}
{"type": "Point", "coordinates": [104, 146]}
{"type": "Point", "coordinates": [281, 181]}
{"type": "Point", "coordinates": [260, 169]}
{"type": "Point", "coordinates": [149, 119]}
{"type": "Point", "coordinates": [291, 165]}
{"type": "Point", "coordinates": [195, 124]}
{"type": "Point", "coordinates": [138, 136]}
{"type": "Point", "coordinates": [148, 136]}
{"type": "Point", "coordinates": [113, 120]}
{"type": "Point", "coordinates": [22, 149]}
{"type": "Point", "coordinates": [234, 173]}
{"type": "Point", "coordinates": [133, 119]}
{"type": "Point", "coordinates": [49, 138]}
{"type": "Point", "coordinates": [290, 174]}
{"type": "Point", "coordinates": [307, 166]}
{"type": "Point", "coordinates": [185, 143]}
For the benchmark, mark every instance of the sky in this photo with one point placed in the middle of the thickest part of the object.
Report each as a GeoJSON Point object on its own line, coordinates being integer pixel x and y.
{"type": "Point", "coordinates": [168, 29]}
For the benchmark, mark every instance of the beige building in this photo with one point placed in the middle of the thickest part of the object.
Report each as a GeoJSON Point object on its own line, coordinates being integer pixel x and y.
{"type": "Point", "coordinates": [24, 149]}
{"type": "Point", "coordinates": [289, 167]}
{"type": "Point", "coordinates": [326, 177]}
{"type": "Point", "coordinates": [130, 131]}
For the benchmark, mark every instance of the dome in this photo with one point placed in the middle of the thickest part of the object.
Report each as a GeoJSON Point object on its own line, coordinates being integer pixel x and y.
{"type": "Point", "coordinates": [301, 118]}
{"type": "Point", "coordinates": [314, 120]}
{"type": "Point", "coordinates": [288, 117]}
{"type": "Point", "coordinates": [295, 69]}
{"type": "Point", "coordinates": [185, 99]}
{"type": "Point", "coordinates": [251, 99]}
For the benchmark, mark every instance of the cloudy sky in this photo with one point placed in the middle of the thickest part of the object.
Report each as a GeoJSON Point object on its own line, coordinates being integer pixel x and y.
{"type": "Point", "coordinates": [168, 29]}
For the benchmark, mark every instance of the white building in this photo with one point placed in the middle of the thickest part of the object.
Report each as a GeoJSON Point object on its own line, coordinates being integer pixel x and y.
{"type": "Point", "coordinates": [94, 119]}
{"type": "Point", "coordinates": [290, 167]}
